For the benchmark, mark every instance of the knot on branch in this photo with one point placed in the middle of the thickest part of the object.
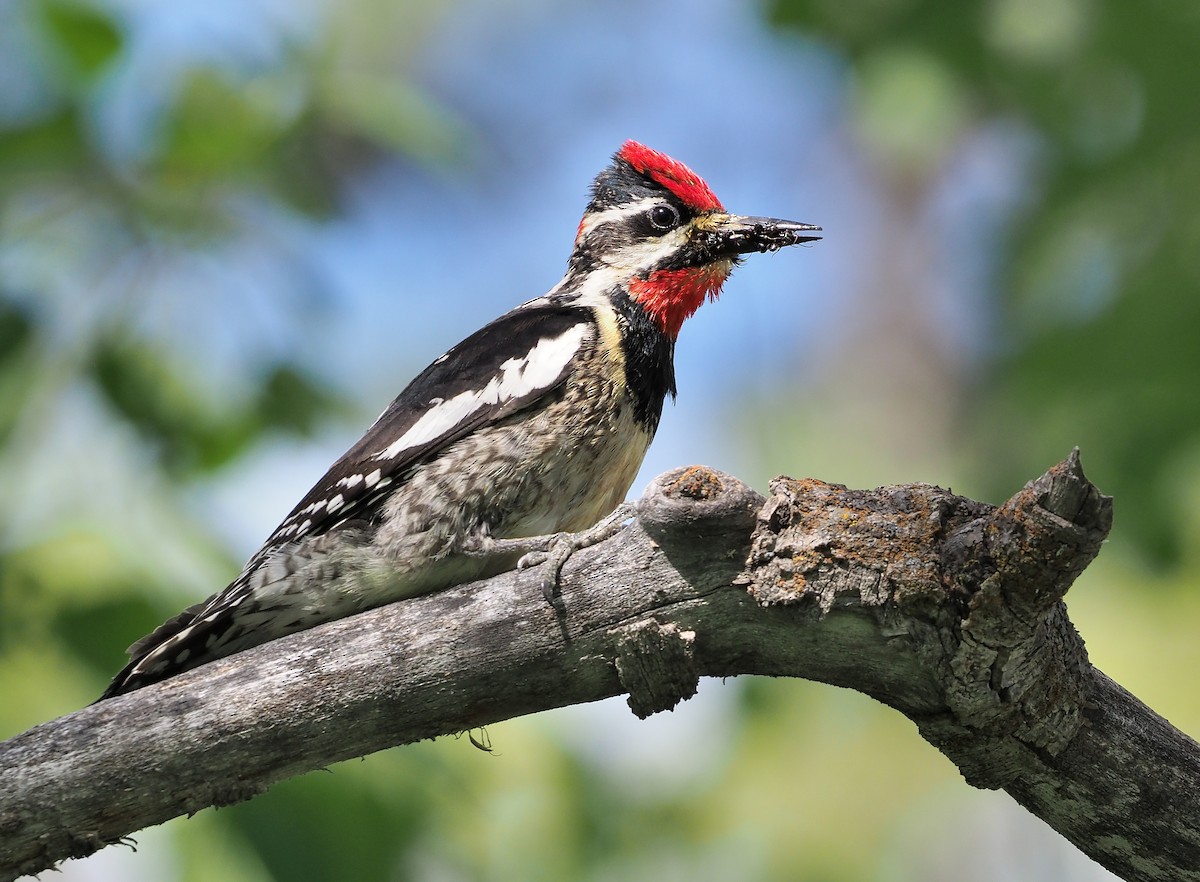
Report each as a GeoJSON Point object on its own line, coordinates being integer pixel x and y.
{"type": "Point", "coordinates": [974, 591]}
{"type": "Point", "coordinates": [701, 519]}
{"type": "Point", "coordinates": [699, 504]}
{"type": "Point", "coordinates": [656, 665]}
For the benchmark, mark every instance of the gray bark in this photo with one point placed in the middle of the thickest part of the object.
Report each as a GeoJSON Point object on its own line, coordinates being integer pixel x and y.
{"type": "Point", "coordinates": [948, 610]}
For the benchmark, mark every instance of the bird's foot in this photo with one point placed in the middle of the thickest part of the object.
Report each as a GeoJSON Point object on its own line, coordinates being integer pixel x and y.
{"type": "Point", "coordinates": [555, 549]}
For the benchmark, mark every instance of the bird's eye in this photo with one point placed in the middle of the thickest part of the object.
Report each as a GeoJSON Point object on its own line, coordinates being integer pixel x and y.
{"type": "Point", "coordinates": [663, 217]}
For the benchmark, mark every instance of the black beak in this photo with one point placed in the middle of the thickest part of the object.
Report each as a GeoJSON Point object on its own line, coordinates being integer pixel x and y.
{"type": "Point", "coordinates": [728, 235]}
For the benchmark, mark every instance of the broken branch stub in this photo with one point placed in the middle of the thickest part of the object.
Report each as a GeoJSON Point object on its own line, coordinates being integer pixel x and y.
{"type": "Point", "coordinates": [975, 591]}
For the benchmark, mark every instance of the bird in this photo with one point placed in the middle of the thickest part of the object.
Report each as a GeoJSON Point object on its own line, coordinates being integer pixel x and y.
{"type": "Point", "coordinates": [515, 447]}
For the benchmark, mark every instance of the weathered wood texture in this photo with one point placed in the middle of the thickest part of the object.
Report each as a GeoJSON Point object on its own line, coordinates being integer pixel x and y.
{"type": "Point", "coordinates": [946, 609]}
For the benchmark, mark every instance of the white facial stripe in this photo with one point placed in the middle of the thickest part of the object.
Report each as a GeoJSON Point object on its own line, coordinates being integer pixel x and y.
{"type": "Point", "coordinates": [619, 212]}
{"type": "Point", "coordinates": [518, 377]}
{"type": "Point", "coordinates": [617, 269]}
{"type": "Point", "coordinates": [639, 257]}
{"type": "Point", "coordinates": [593, 288]}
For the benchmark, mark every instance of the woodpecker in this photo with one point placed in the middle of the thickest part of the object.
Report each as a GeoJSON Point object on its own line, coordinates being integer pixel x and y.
{"type": "Point", "coordinates": [508, 448]}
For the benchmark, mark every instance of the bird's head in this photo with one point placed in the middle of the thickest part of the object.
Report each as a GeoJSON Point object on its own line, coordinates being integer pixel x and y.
{"type": "Point", "coordinates": [661, 231]}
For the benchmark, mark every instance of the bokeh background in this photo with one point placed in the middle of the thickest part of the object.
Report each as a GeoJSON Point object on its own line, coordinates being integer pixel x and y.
{"type": "Point", "coordinates": [231, 230]}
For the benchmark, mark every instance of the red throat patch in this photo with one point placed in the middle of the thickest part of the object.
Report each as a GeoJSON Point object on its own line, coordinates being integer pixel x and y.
{"type": "Point", "coordinates": [687, 186]}
{"type": "Point", "coordinates": [672, 296]}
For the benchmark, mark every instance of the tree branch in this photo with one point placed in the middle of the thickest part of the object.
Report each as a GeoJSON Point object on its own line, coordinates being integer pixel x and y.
{"type": "Point", "coordinates": [946, 609]}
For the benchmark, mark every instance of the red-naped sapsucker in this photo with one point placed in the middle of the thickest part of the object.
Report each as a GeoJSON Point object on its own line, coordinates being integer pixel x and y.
{"type": "Point", "coordinates": [533, 426]}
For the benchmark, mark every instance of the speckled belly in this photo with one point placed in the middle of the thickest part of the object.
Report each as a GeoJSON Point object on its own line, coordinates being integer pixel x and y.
{"type": "Point", "coordinates": [560, 470]}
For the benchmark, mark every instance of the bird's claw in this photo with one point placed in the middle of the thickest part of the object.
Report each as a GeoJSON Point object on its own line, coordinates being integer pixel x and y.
{"type": "Point", "coordinates": [553, 550]}
{"type": "Point", "coordinates": [539, 556]}
{"type": "Point", "coordinates": [559, 550]}
{"type": "Point", "coordinates": [561, 546]}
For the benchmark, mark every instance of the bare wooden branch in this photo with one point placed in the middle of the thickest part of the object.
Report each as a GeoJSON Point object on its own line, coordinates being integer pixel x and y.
{"type": "Point", "coordinates": [946, 609]}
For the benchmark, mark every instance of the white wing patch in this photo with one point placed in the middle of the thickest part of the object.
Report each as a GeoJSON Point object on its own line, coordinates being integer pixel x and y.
{"type": "Point", "coordinates": [518, 377]}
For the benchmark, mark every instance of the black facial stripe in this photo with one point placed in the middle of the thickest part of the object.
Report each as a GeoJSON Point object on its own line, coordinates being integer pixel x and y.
{"type": "Point", "coordinates": [612, 236]}
{"type": "Point", "coordinates": [641, 225]}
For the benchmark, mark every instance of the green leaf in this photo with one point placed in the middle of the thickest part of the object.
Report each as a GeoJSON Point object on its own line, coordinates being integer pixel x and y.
{"type": "Point", "coordinates": [86, 36]}
{"type": "Point", "coordinates": [292, 401]}
{"type": "Point", "coordinates": [216, 128]}
{"type": "Point", "coordinates": [397, 116]}
{"type": "Point", "coordinates": [147, 391]}
{"type": "Point", "coordinates": [16, 333]}
{"type": "Point", "coordinates": [54, 145]}
{"type": "Point", "coordinates": [188, 431]}
{"type": "Point", "coordinates": [16, 329]}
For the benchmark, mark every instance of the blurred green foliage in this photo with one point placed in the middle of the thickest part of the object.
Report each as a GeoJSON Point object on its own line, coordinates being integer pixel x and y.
{"type": "Point", "coordinates": [110, 419]}
{"type": "Point", "coordinates": [86, 39]}
{"type": "Point", "coordinates": [189, 435]}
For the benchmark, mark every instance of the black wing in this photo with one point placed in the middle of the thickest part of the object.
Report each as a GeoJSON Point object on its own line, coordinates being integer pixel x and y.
{"type": "Point", "coordinates": [504, 367]}
{"type": "Point", "coordinates": [500, 369]}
